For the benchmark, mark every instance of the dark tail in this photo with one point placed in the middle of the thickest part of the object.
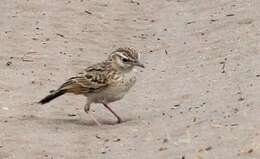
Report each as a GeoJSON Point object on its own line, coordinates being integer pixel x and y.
{"type": "Point", "coordinates": [53, 95]}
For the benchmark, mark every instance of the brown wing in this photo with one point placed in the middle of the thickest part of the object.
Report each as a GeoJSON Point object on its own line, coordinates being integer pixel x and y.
{"type": "Point", "coordinates": [92, 79]}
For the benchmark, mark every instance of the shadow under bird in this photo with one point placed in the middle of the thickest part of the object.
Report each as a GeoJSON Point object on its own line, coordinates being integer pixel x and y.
{"type": "Point", "coordinates": [104, 82]}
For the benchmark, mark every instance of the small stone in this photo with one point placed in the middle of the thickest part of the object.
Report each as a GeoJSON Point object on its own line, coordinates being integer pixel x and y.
{"type": "Point", "coordinates": [241, 99]}
{"type": "Point", "coordinates": [88, 12]}
{"type": "Point", "coordinates": [60, 35]}
{"type": "Point", "coordinates": [163, 148]}
{"type": "Point", "coordinates": [236, 110]}
{"type": "Point", "coordinates": [9, 63]}
{"type": "Point", "coordinates": [190, 22]}
{"type": "Point", "coordinates": [213, 20]}
{"type": "Point", "coordinates": [250, 151]}
{"type": "Point", "coordinates": [234, 125]}
{"type": "Point", "coordinates": [71, 115]}
{"type": "Point", "coordinates": [98, 137]}
{"type": "Point", "coordinates": [117, 140]}
{"type": "Point", "coordinates": [208, 148]}
{"type": "Point", "coordinates": [165, 140]}
{"type": "Point", "coordinates": [230, 15]}
{"type": "Point", "coordinates": [177, 105]}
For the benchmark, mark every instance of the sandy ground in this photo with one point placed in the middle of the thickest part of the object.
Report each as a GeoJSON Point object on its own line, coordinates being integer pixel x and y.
{"type": "Point", "coordinates": [198, 97]}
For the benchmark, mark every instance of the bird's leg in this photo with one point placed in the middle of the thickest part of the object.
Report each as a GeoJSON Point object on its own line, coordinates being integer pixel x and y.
{"type": "Point", "coordinates": [119, 120]}
{"type": "Point", "coordinates": [86, 109]}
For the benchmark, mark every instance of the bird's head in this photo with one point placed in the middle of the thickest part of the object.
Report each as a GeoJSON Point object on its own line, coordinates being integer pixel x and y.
{"type": "Point", "coordinates": [125, 59]}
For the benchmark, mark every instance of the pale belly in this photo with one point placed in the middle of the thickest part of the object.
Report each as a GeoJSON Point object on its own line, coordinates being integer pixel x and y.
{"type": "Point", "coordinates": [116, 91]}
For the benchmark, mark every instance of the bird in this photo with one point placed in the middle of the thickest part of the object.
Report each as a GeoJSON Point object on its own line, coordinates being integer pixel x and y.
{"type": "Point", "coordinates": [104, 82]}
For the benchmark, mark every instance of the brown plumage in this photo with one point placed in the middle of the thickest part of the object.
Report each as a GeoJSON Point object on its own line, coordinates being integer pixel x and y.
{"type": "Point", "coordinates": [92, 79]}
{"type": "Point", "coordinates": [103, 82]}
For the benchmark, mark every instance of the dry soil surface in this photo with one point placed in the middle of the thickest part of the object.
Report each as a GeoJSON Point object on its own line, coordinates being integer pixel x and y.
{"type": "Point", "coordinates": [198, 97]}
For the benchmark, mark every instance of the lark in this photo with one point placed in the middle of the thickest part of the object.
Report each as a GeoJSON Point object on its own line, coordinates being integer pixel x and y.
{"type": "Point", "coordinates": [104, 82]}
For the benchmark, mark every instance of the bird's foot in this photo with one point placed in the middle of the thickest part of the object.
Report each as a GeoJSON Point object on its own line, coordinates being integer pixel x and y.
{"type": "Point", "coordinates": [119, 120]}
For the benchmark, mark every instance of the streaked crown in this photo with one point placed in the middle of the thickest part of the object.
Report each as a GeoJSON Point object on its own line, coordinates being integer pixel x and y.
{"type": "Point", "coordinates": [125, 58]}
{"type": "Point", "coordinates": [127, 52]}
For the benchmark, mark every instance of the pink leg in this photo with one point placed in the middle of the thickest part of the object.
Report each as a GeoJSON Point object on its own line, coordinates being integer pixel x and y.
{"type": "Point", "coordinates": [119, 120]}
{"type": "Point", "coordinates": [86, 109]}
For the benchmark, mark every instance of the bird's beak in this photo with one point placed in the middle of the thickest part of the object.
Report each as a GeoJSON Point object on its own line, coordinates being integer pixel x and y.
{"type": "Point", "coordinates": [139, 64]}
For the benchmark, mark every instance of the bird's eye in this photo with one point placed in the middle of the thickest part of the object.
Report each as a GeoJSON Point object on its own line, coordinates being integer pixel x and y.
{"type": "Point", "coordinates": [124, 60]}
